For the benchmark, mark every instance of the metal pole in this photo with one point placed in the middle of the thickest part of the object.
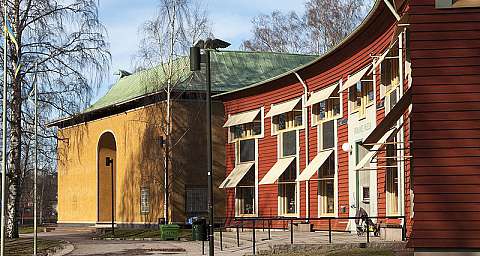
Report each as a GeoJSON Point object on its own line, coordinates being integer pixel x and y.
{"type": "Point", "coordinates": [368, 231]}
{"type": "Point", "coordinates": [211, 250]}
{"type": "Point", "coordinates": [329, 230]}
{"type": "Point", "coordinates": [291, 231]}
{"type": "Point", "coordinates": [238, 237]}
{"type": "Point", "coordinates": [36, 166]}
{"type": "Point", "coordinates": [4, 132]}
{"type": "Point", "coordinates": [113, 202]}
{"type": "Point", "coordinates": [253, 236]}
{"type": "Point", "coordinates": [221, 240]}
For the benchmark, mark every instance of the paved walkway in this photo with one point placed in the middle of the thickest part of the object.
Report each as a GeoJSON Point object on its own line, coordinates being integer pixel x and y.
{"type": "Point", "coordinates": [84, 245]}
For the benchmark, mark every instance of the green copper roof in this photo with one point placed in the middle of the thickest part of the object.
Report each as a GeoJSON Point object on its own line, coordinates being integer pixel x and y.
{"type": "Point", "coordinates": [231, 70]}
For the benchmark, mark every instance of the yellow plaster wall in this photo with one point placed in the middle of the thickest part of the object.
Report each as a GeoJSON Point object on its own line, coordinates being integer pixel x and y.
{"type": "Point", "coordinates": [139, 162]}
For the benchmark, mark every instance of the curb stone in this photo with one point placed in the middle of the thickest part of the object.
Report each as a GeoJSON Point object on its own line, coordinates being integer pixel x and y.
{"type": "Point", "coordinates": [64, 249]}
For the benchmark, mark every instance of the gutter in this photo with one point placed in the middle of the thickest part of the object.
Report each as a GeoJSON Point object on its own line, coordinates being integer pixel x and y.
{"type": "Point", "coordinates": [307, 126]}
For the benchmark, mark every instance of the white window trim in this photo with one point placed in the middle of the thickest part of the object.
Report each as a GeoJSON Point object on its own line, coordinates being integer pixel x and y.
{"type": "Point", "coordinates": [274, 132]}
{"type": "Point", "coordinates": [399, 87]}
{"type": "Point", "coordinates": [262, 129]}
{"type": "Point", "coordinates": [335, 182]}
{"type": "Point", "coordinates": [297, 185]}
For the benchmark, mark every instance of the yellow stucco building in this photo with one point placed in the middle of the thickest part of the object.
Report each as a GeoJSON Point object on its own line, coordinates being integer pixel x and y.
{"type": "Point", "coordinates": [127, 125]}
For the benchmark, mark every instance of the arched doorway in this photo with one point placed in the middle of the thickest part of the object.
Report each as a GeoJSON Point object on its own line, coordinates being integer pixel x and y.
{"type": "Point", "coordinates": [107, 148]}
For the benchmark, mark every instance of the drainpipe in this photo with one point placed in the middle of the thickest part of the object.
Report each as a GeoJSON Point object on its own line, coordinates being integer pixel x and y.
{"type": "Point", "coordinates": [307, 183]}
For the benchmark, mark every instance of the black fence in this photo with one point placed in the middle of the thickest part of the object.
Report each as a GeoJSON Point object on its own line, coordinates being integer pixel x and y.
{"type": "Point", "coordinates": [266, 223]}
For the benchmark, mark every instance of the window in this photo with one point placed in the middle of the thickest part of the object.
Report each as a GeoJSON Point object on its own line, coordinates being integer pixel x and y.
{"type": "Point", "coordinates": [287, 190]}
{"type": "Point", "coordinates": [362, 95]}
{"type": "Point", "coordinates": [390, 77]}
{"type": "Point", "coordinates": [289, 143]}
{"type": "Point", "coordinates": [245, 190]}
{"type": "Point", "coordinates": [366, 194]}
{"type": "Point", "coordinates": [392, 179]}
{"type": "Point", "coordinates": [144, 200]}
{"type": "Point", "coordinates": [289, 120]}
{"type": "Point", "coordinates": [326, 186]}
{"type": "Point", "coordinates": [456, 3]}
{"type": "Point", "coordinates": [247, 130]}
{"type": "Point", "coordinates": [245, 194]}
{"type": "Point", "coordinates": [327, 131]}
{"type": "Point", "coordinates": [196, 200]}
{"type": "Point", "coordinates": [327, 109]}
{"type": "Point", "coordinates": [246, 150]}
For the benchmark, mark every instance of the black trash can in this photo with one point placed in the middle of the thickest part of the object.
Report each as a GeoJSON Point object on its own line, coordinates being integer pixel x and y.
{"type": "Point", "coordinates": [199, 229]}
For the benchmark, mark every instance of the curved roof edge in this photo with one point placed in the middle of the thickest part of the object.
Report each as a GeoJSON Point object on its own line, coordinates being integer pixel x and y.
{"type": "Point", "coordinates": [357, 30]}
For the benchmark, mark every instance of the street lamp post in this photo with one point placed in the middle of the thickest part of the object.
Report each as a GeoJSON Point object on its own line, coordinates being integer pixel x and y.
{"type": "Point", "coordinates": [109, 162]}
{"type": "Point", "coordinates": [35, 102]}
{"type": "Point", "coordinates": [195, 60]}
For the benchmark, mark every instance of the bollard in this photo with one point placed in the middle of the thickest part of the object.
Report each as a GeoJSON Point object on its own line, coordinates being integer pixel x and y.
{"type": "Point", "coordinates": [203, 247]}
{"type": "Point", "coordinates": [221, 240]}
{"type": "Point", "coordinates": [238, 237]}
{"type": "Point", "coordinates": [253, 238]}
{"type": "Point", "coordinates": [368, 231]}
{"type": "Point", "coordinates": [291, 231]}
{"type": "Point", "coordinates": [269, 225]}
{"type": "Point", "coordinates": [329, 230]}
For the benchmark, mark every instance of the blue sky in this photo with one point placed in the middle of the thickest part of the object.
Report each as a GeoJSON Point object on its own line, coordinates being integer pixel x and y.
{"type": "Point", "coordinates": [230, 19]}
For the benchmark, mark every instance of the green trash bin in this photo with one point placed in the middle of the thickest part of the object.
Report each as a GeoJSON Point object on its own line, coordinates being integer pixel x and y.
{"type": "Point", "coordinates": [169, 232]}
{"type": "Point", "coordinates": [199, 229]}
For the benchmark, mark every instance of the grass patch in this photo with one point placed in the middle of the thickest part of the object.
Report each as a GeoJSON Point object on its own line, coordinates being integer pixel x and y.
{"type": "Point", "coordinates": [22, 246]}
{"type": "Point", "coordinates": [142, 233]}
{"type": "Point", "coordinates": [349, 252]}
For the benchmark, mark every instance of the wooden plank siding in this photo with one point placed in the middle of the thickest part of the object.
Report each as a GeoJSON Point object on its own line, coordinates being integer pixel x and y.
{"type": "Point", "coordinates": [445, 123]}
{"type": "Point", "coordinates": [372, 40]}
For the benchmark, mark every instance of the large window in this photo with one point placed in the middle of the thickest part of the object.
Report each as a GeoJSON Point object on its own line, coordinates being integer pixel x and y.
{"type": "Point", "coordinates": [327, 109]}
{"type": "Point", "coordinates": [392, 179]}
{"type": "Point", "coordinates": [196, 200]}
{"type": "Point", "coordinates": [245, 190]}
{"type": "Point", "coordinates": [390, 77]}
{"type": "Point", "coordinates": [289, 120]}
{"type": "Point", "coordinates": [326, 186]}
{"type": "Point", "coordinates": [361, 95]}
{"type": "Point", "coordinates": [245, 194]}
{"type": "Point", "coordinates": [287, 190]}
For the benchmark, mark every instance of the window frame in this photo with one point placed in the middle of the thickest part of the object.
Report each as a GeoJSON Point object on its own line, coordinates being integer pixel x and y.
{"type": "Point", "coordinates": [321, 199]}
{"type": "Point", "coordinates": [393, 88]}
{"type": "Point", "coordinates": [315, 117]}
{"type": "Point", "coordinates": [274, 126]}
{"type": "Point", "coordinates": [365, 102]}
{"type": "Point", "coordinates": [255, 170]}
{"type": "Point", "coordinates": [282, 188]}
{"type": "Point", "coordinates": [143, 210]}
{"type": "Point", "coordinates": [231, 137]}
{"type": "Point", "coordinates": [392, 199]}
{"type": "Point", "coordinates": [296, 163]}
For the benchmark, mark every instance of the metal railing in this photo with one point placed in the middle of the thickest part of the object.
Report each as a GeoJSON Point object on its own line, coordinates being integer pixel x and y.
{"type": "Point", "coordinates": [256, 223]}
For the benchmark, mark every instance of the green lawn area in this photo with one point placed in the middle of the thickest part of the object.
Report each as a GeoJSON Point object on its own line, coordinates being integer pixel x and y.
{"type": "Point", "coordinates": [142, 233]}
{"type": "Point", "coordinates": [349, 252]}
{"type": "Point", "coordinates": [17, 247]}
{"type": "Point", "coordinates": [28, 230]}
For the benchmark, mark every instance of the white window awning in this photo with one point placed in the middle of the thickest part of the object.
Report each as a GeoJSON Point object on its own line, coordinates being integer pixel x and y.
{"type": "Point", "coordinates": [236, 175]}
{"type": "Point", "coordinates": [277, 170]}
{"type": "Point", "coordinates": [281, 108]}
{"type": "Point", "coordinates": [321, 95]}
{"type": "Point", "coordinates": [379, 61]}
{"type": "Point", "coordinates": [353, 79]}
{"type": "Point", "coordinates": [241, 118]}
{"type": "Point", "coordinates": [313, 167]}
{"type": "Point", "coordinates": [374, 150]}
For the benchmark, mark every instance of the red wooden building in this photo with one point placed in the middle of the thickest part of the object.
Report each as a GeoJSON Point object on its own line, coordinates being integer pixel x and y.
{"type": "Point", "coordinates": [387, 121]}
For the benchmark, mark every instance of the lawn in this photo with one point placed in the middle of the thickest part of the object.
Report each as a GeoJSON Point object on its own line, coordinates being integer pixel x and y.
{"type": "Point", "coordinates": [349, 252]}
{"type": "Point", "coordinates": [142, 233]}
{"type": "Point", "coordinates": [29, 230]}
{"type": "Point", "coordinates": [23, 246]}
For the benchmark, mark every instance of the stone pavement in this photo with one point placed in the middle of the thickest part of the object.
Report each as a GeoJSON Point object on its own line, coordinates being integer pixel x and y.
{"type": "Point", "coordinates": [84, 245]}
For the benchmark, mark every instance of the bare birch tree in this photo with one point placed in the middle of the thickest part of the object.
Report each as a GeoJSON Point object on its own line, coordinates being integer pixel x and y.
{"type": "Point", "coordinates": [67, 41]}
{"type": "Point", "coordinates": [324, 24]}
{"type": "Point", "coordinates": [167, 38]}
